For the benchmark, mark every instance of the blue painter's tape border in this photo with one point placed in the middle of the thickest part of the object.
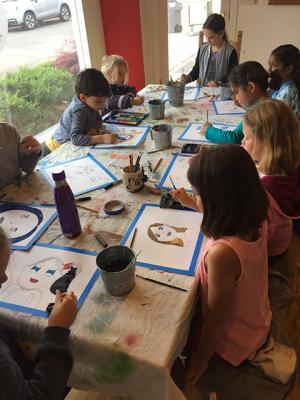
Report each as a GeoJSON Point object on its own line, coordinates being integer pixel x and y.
{"type": "Point", "coordinates": [193, 264]}
{"type": "Point", "coordinates": [142, 138]}
{"type": "Point", "coordinates": [40, 313]}
{"type": "Point", "coordinates": [217, 111]}
{"type": "Point", "coordinates": [88, 155]}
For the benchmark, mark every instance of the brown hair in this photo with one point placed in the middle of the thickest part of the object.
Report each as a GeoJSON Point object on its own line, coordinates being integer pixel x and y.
{"type": "Point", "coordinates": [275, 124]}
{"type": "Point", "coordinates": [175, 242]}
{"type": "Point", "coordinates": [216, 22]}
{"type": "Point", "coordinates": [233, 199]}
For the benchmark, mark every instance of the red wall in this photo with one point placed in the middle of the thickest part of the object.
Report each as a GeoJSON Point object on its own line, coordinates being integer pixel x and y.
{"type": "Point", "coordinates": [122, 35]}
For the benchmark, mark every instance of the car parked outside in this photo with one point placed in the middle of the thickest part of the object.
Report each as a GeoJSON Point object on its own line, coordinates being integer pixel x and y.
{"type": "Point", "coordinates": [29, 12]}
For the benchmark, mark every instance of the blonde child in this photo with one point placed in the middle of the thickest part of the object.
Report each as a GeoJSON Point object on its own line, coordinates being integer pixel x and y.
{"type": "Point", "coordinates": [249, 82]}
{"type": "Point", "coordinates": [233, 264]}
{"type": "Point", "coordinates": [284, 69]}
{"type": "Point", "coordinates": [272, 138]}
{"type": "Point", "coordinates": [47, 376]}
{"type": "Point", "coordinates": [115, 69]}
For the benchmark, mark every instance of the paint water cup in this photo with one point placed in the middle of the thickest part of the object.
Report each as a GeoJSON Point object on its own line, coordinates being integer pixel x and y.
{"type": "Point", "coordinates": [175, 95]}
{"type": "Point", "coordinates": [225, 93]}
{"type": "Point", "coordinates": [117, 265]}
{"type": "Point", "coordinates": [133, 181]}
{"type": "Point", "coordinates": [162, 135]}
{"type": "Point", "coordinates": [157, 109]}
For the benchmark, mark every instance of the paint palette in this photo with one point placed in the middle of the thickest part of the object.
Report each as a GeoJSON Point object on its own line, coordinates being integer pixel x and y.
{"type": "Point", "coordinates": [125, 118]}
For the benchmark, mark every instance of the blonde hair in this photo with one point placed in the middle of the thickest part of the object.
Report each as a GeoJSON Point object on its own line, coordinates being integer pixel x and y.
{"type": "Point", "coordinates": [109, 63]}
{"type": "Point", "coordinates": [275, 124]}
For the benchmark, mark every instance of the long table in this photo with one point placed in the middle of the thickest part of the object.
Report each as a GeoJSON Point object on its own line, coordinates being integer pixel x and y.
{"type": "Point", "coordinates": [122, 346]}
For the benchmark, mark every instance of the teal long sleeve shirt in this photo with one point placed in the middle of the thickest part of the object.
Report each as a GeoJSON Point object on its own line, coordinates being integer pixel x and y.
{"type": "Point", "coordinates": [222, 136]}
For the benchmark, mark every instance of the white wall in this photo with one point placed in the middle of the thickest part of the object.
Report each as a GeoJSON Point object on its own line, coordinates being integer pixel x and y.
{"type": "Point", "coordinates": [264, 27]}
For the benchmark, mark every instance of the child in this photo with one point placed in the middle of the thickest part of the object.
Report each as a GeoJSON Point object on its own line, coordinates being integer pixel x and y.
{"type": "Point", "coordinates": [284, 69]}
{"type": "Point", "coordinates": [216, 58]}
{"type": "Point", "coordinates": [233, 265]}
{"type": "Point", "coordinates": [249, 82]}
{"type": "Point", "coordinates": [16, 154]}
{"type": "Point", "coordinates": [115, 69]}
{"type": "Point", "coordinates": [47, 376]}
{"type": "Point", "coordinates": [272, 138]}
{"type": "Point", "coordinates": [81, 122]}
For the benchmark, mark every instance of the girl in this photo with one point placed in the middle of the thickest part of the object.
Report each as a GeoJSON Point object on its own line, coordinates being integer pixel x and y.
{"type": "Point", "coordinates": [249, 82]}
{"type": "Point", "coordinates": [216, 58]}
{"type": "Point", "coordinates": [47, 376]}
{"type": "Point", "coordinates": [284, 69]}
{"type": "Point", "coordinates": [234, 262]}
{"type": "Point", "coordinates": [272, 138]}
{"type": "Point", "coordinates": [115, 69]}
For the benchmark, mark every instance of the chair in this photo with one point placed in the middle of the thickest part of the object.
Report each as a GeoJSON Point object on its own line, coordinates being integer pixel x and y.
{"type": "Point", "coordinates": [236, 44]}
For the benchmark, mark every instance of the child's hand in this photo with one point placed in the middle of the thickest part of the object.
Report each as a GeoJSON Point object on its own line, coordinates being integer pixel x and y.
{"type": "Point", "coordinates": [93, 132]}
{"type": "Point", "coordinates": [64, 310]}
{"type": "Point", "coordinates": [183, 198]}
{"type": "Point", "coordinates": [212, 84]}
{"type": "Point", "coordinates": [138, 100]}
{"type": "Point", "coordinates": [30, 145]}
{"type": "Point", "coordinates": [184, 78]}
{"type": "Point", "coordinates": [204, 127]}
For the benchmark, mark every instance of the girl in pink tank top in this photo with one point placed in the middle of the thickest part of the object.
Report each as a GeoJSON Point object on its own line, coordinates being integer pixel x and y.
{"type": "Point", "coordinates": [233, 266]}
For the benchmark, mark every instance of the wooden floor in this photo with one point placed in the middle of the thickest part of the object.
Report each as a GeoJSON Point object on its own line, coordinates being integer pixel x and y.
{"type": "Point", "coordinates": [291, 326]}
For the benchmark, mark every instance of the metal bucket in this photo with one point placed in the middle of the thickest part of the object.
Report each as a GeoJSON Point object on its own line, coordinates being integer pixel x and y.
{"type": "Point", "coordinates": [162, 135]}
{"type": "Point", "coordinates": [157, 109]}
{"type": "Point", "coordinates": [175, 95]}
{"type": "Point", "coordinates": [117, 265]}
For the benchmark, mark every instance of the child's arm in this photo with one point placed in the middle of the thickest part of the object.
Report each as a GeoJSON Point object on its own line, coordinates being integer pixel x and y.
{"type": "Point", "coordinates": [123, 101]}
{"type": "Point", "coordinates": [104, 138]}
{"type": "Point", "coordinates": [223, 270]}
{"type": "Point", "coordinates": [184, 198]}
{"type": "Point", "coordinates": [223, 136]}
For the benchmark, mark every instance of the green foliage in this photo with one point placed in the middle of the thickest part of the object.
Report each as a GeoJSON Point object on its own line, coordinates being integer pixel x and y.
{"type": "Point", "coordinates": [32, 99]}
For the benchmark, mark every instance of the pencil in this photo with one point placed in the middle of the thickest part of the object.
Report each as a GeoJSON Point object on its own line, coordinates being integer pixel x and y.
{"type": "Point", "coordinates": [130, 163]}
{"type": "Point", "coordinates": [172, 182]}
{"type": "Point", "coordinates": [157, 165]}
{"type": "Point", "coordinates": [87, 208]}
{"type": "Point", "coordinates": [206, 115]}
{"type": "Point", "coordinates": [133, 238]}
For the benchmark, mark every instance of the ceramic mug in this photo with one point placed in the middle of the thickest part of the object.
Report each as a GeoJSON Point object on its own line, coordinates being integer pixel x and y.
{"type": "Point", "coordinates": [133, 181]}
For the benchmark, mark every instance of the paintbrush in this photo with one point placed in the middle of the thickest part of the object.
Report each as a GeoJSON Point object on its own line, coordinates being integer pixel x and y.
{"type": "Point", "coordinates": [149, 166]}
{"type": "Point", "coordinates": [161, 283]}
{"type": "Point", "coordinates": [172, 182]}
{"type": "Point", "coordinates": [133, 238]}
{"type": "Point", "coordinates": [130, 163]}
{"type": "Point", "coordinates": [137, 163]}
{"type": "Point", "coordinates": [157, 165]}
{"type": "Point", "coordinates": [207, 116]}
{"type": "Point", "coordinates": [86, 208]}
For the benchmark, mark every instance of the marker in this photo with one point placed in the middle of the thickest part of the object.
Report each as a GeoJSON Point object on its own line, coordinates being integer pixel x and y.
{"type": "Point", "coordinates": [101, 240]}
{"type": "Point", "coordinates": [110, 185]}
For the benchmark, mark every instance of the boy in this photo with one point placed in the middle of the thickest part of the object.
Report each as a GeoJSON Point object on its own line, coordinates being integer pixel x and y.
{"type": "Point", "coordinates": [81, 121]}
{"type": "Point", "coordinates": [16, 155]}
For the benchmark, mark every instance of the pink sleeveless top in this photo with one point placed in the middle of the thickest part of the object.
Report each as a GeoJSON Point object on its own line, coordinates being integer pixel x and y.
{"type": "Point", "coordinates": [248, 322]}
{"type": "Point", "coordinates": [280, 229]}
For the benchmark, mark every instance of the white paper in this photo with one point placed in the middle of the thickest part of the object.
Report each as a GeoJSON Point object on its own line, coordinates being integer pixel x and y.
{"type": "Point", "coordinates": [129, 136]}
{"type": "Point", "coordinates": [178, 173]}
{"type": "Point", "coordinates": [193, 133]}
{"type": "Point", "coordinates": [24, 223]}
{"type": "Point", "coordinates": [179, 229]}
{"type": "Point", "coordinates": [190, 93]}
{"type": "Point", "coordinates": [227, 107]}
{"type": "Point", "coordinates": [30, 275]}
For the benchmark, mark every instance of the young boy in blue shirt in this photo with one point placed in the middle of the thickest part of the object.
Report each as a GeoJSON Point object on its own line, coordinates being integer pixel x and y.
{"type": "Point", "coordinates": [81, 121]}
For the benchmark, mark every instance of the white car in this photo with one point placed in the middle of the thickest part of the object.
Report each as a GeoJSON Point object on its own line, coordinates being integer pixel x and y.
{"type": "Point", "coordinates": [29, 12]}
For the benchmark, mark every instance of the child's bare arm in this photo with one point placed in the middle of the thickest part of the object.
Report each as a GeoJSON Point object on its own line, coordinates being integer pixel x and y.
{"type": "Point", "coordinates": [105, 138]}
{"type": "Point", "coordinates": [138, 100]}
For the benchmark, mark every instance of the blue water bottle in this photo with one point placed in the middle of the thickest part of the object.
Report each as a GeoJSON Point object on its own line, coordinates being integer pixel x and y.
{"type": "Point", "coordinates": [66, 206]}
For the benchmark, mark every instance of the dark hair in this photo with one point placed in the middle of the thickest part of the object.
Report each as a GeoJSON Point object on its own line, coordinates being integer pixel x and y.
{"type": "Point", "coordinates": [233, 199]}
{"type": "Point", "coordinates": [91, 82]}
{"type": "Point", "coordinates": [249, 71]}
{"type": "Point", "coordinates": [216, 23]}
{"type": "Point", "coordinates": [287, 54]}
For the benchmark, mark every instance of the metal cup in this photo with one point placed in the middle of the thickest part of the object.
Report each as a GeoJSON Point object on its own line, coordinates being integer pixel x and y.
{"type": "Point", "coordinates": [162, 135]}
{"type": "Point", "coordinates": [157, 109]}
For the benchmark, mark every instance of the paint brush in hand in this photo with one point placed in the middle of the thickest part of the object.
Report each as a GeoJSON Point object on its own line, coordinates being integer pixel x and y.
{"type": "Point", "coordinates": [173, 184]}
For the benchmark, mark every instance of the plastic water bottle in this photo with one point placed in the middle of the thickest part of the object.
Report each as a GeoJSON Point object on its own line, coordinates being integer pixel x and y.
{"type": "Point", "coordinates": [66, 206]}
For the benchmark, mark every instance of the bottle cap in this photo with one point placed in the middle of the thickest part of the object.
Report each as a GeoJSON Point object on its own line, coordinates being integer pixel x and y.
{"type": "Point", "coordinates": [59, 176]}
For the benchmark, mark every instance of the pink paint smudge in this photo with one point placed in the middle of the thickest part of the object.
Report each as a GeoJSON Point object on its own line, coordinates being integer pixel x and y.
{"type": "Point", "coordinates": [130, 339]}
